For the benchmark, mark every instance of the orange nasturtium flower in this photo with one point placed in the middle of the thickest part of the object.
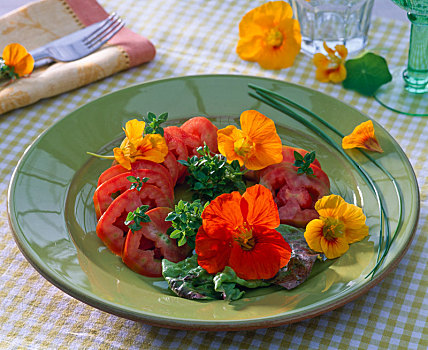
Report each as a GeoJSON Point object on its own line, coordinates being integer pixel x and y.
{"type": "Point", "coordinates": [270, 36]}
{"type": "Point", "coordinates": [339, 224]}
{"type": "Point", "coordinates": [331, 68]}
{"type": "Point", "coordinates": [363, 136]}
{"type": "Point", "coordinates": [239, 231]}
{"type": "Point", "coordinates": [18, 62]}
{"type": "Point", "coordinates": [136, 146]}
{"type": "Point", "coordinates": [256, 146]}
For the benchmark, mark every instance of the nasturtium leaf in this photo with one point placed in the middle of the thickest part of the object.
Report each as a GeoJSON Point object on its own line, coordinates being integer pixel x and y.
{"type": "Point", "coordinates": [366, 74]}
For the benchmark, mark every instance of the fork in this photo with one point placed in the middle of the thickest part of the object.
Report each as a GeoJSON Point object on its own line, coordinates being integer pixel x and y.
{"type": "Point", "coordinates": [65, 51]}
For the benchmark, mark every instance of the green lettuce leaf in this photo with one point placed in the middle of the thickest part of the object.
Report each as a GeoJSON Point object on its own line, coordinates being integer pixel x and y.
{"type": "Point", "coordinates": [188, 280]}
{"type": "Point", "coordinates": [301, 261]}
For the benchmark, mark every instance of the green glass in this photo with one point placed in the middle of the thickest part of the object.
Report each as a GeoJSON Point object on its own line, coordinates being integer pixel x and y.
{"type": "Point", "coordinates": [407, 92]}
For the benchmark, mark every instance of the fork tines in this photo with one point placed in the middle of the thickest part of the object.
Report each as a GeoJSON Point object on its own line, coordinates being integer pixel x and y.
{"type": "Point", "coordinates": [105, 32]}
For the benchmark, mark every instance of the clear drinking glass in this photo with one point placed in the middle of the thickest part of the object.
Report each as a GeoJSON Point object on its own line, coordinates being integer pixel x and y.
{"type": "Point", "coordinates": [336, 22]}
{"type": "Point", "coordinates": [408, 91]}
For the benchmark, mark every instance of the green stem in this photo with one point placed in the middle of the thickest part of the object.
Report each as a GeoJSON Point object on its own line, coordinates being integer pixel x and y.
{"type": "Point", "coordinates": [100, 156]}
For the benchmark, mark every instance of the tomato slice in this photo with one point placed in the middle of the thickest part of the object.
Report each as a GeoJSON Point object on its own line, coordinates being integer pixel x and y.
{"type": "Point", "coordinates": [111, 228]}
{"type": "Point", "coordinates": [204, 130]}
{"type": "Point", "coordinates": [150, 165]}
{"type": "Point", "coordinates": [144, 249]}
{"type": "Point", "coordinates": [171, 164]}
{"type": "Point", "coordinates": [118, 169]}
{"type": "Point", "coordinates": [111, 172]}
{"type": "Point", "coordinates": [190, 141]}
{"type": "Point", "coordinates": [110, 189]}
{"type": "Point", "coordinates": [178, 148]}
{"type": "Point", "coordinates": [295, 194]}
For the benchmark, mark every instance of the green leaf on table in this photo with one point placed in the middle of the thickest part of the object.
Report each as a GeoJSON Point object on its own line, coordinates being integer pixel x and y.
{"type": "Point", "coordinates": [366, 74]}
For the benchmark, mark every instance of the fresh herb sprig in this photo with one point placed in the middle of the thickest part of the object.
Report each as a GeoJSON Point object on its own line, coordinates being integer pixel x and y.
{"type": "Point", "coordinates": [303, 163]}
{"type": "Point", "coordinates": [186, 220]}
{"type": "Point", "coordinates": [153, 123]}
{"type": "Point", "coordinates": [6, 71]}
{"type": "Point", "coordinates": [136, 182]}
{"type": "Point", "coordinates": [135, 218]}
{"type": "Point", "coordinates": [211, 175]}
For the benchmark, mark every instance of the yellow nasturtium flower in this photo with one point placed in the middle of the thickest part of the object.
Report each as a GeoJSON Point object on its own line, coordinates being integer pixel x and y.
{"type": "Point", "coordinates": [363, 136]}
{"type": "Point", "coordinates": [339, 225]}
{"type": "Point", "coordinates": [136, 146]}
{"type": "Point", "coordinates": [256, 145]}
{"type": "Point", "coordinates": [331, 67]}
{"type": "Point", "coordinates": [270, 36]}
{"type": "Point", "coordinates": [17, 60]}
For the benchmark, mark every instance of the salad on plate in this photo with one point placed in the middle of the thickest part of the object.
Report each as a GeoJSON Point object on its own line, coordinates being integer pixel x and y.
{"type": "Point", "coordinates": [254, 212]}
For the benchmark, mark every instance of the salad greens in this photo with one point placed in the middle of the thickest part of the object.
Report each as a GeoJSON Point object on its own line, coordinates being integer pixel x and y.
{"type": "Point", "coordinates": [189, 280]}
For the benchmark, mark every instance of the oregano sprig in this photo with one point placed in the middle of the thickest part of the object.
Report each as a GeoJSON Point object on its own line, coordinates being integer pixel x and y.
{"type": "Point", "coordinates": [211, 175]}
{"type": "Point", "coordinates": [135, 218]}
{"type": "Point", "coordinates": [153, 123]}
{"type": "Point", "coordinates": [303, 163]}
{"type": "Point", "coordinates": [137, 182]}
{"type": "Point", "coordinates": [186, 220]}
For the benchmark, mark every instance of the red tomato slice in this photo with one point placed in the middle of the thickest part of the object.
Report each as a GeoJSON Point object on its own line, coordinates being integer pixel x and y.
{"type": "Point", "coordinates": [148, 164]}
{"type": "Point", "coordinates": [110, 189]}
{"type": "Point", "coordinates": [144, 249]}
{"type": "Point", "coordinates": [111, 228]}
{"type": "Point", "coordinates": [177, 147]}
{"type": "Point", "coordinates": [111, 172]}
{"type": "Point", "coordinates": [288, 157]}
{"type": "Point", "coordinates": [204, 130]}
{"type": "Point", "coordinates": [139, 164]}
{"type": "Point", "coordinates": [171, 164]}
{"type": "Point", "coordinates": [295, 194]}
{"type": "Point", "coordinates": [191, 141]}
{"type": "Point", "coordinates": [292, 214]}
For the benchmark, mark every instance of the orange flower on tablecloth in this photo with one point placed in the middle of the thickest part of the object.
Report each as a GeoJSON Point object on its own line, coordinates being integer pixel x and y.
{"type": "Point", "coordinates": [136, 146]}
{"type": "Point", "coordinates": [331, 68]}
{"type": "Point", "coordinates": [270, 36]}
{"type": "Point", "coordinates": [363, 136]}
{"type": "Point", "coordinates": [239, 231]}
{"type": "Point", "coordinates": [17, 60]}
{"type": "Point", "coordinates": [256, 146]}
{"type": "Point", "coordinates": [339, 225]}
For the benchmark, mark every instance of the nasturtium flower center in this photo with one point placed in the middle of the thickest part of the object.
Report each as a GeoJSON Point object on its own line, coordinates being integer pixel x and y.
{"type": "Point", "coordinates": [333, 228]}
{"type": "Point", "coordinates": [243, 146]}
{"type": "Point", "coordinates": [274, 37]}
{"type": "Point", "coordinates": [244, 237]}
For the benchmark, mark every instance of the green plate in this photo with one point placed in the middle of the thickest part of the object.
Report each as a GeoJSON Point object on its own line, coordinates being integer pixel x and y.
{"type": "Point", "coordinates": [52, 217]}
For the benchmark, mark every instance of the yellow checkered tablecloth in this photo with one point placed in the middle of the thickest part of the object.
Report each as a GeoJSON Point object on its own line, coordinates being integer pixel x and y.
{"type": "Point", "coordinates": [199, 37]}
